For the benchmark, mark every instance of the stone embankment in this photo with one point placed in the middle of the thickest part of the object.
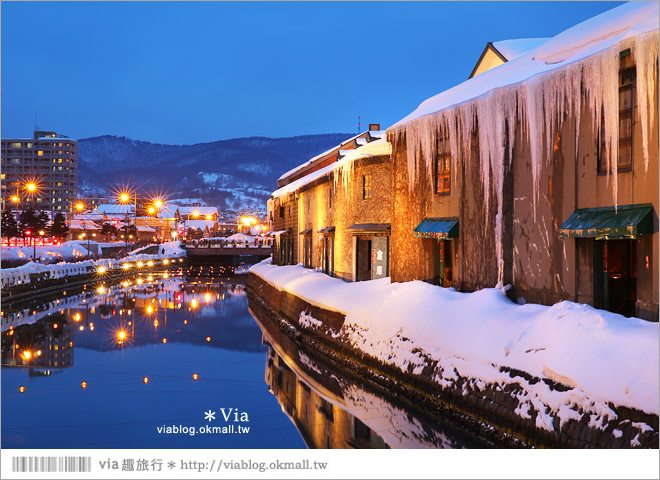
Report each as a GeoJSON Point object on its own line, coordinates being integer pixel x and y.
{"type": "Point", "coordinates": [493, 408]}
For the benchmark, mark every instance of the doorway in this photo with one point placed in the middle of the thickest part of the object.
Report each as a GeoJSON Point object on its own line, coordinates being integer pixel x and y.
{"type": "Point", "coordinates": [362, 258]}
{"type": "Point", "coordinates": [616, 275]}
{"type": "Point", "coordinates": [443, 263]}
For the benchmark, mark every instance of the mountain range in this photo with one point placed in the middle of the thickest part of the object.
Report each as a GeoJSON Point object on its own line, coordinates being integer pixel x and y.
{"type": "Point", "coordinates": [233, 174]}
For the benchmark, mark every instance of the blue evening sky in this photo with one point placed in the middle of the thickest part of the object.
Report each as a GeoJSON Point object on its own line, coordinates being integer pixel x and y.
{"type": "Point", "coordinates": [190, 72]}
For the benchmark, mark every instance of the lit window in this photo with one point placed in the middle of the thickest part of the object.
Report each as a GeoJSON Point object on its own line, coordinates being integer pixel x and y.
{"type": "Point", "coordinates": [366, 186]}
{"type": "Point", "coordinates": [443, 168]}
{"type": "Point", "coordinates": [626, 81]}
{"type": "Point", "coordinates": [40, 153]}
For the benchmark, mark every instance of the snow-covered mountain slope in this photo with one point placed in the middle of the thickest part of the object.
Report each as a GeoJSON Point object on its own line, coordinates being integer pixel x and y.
{"type": "Point", "coordinates": [235, 173]}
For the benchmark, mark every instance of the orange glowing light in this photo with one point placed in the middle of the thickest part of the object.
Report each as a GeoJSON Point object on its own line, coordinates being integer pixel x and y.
{"type": "Point", "coordinates": [208, 217]}
{"type": "Point", "coordinates": [80, 206]}
{"type": "Point", "coordinates": [193, 303]}
{"type": "Point", "coordinates": [83, 384]}
{"type": "Point", "coordinates": [195, 376]}
{"type": "Point", "coordinates": [27, 354]}
{"type": "Point", "coordinates": [76, 317]}
{"type": "Point", "coordinates": [38, 353]}
{"type": "Point", "coordinates": [21, 389]}
{"type": "Point", "coordinates": [185, 322]}
{"type": "Point", "coordinates": [155, 323]}
{"type": "Point", "coordinates": [121, 335]}
{"type": "Point", "coordinates": [15, 199]}
{"type": "Point", "coordinates": [208, 339]}
{"type": "Point", "coordinates": [164, 340]}
{"type": "Point", "coordinates": [151, 210]}
{"type": "Point", "coordinates": [145, 380]}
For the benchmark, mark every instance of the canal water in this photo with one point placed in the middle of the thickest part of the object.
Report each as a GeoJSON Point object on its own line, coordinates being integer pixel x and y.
{"type": "Point", "coordinates": [176, 360]}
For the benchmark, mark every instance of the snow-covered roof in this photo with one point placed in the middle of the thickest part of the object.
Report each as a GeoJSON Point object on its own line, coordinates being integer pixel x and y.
{"type": "Point", "coordinates": [82, 224]}
{"type": "Point", "coordinates": [240, 237]}
{"type": "Point", "coordinates": [372, 149]}
{"type": "Point", "coordinates": [320, 155]}
{"type": "Point", "coordinates": [168, 211]}
{"type": "Point", "coordinates": [200, 224]}
{"type": "Point", "coordinates": [577, 43]}
{"type": "Point", "coordinates": [93, 215]}
{"type": "Point", "coordinates": [144, 228]}
{"type": "Point", "coordinates": [116, 209]}
{"type": "Point", "coordinates": [511, 49]}
{"type": "Point", "coordinates": [201, 210]}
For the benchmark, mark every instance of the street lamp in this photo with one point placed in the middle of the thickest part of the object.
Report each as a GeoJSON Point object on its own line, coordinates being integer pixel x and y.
{"type": "Point", "coordinates": [125, 198]}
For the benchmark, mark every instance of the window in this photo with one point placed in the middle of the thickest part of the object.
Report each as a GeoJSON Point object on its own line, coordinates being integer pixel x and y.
{"type": "Point", "coordinates": [624, 163]}
{"type": "Point", "coordinates": [15, 145]}
{"type": "Point", "coordinates": [366, 187]}
{"type": "Point", "coordinates": [329, 197]}
{"type": "Point", "coordinates": [443, 168]}
{"type": "Point", "coordinates": [40, 153]}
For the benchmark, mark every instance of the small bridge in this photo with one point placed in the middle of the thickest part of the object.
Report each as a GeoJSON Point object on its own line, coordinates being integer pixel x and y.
{"type": "Point", "coordinates": [225, 255]}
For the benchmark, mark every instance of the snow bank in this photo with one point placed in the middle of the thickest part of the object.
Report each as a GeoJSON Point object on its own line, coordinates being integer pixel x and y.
{"type": "Point", "coordinates": [45, 253]}
{"type": "Point", "coordinates": [604, 356]}
{"type": "Point", "coordinates": [21, 275]}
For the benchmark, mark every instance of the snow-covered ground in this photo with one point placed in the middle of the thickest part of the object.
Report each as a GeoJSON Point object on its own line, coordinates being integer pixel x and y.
{"type": "Point", "coordinates": [603, 356]}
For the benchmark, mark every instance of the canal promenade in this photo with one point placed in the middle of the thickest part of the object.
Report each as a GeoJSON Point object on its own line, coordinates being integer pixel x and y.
{"type": "Point", "coordinates": [545, 375]}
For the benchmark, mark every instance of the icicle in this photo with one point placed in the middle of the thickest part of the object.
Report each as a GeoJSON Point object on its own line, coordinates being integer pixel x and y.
{"type": "Point", "coordinates": [646, 57]}
{"type": "Point", "coordinates": [539, 106]}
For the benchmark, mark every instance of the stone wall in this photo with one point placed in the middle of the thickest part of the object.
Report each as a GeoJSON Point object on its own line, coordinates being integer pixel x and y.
{"type": "Point", "coordinates": [492, 404]}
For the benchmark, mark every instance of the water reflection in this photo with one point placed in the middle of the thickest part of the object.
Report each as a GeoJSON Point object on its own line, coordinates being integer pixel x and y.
{"type": "Point", "coordinates": [188, 331]}
{"type": "Point", "coordinates": [331, 410]}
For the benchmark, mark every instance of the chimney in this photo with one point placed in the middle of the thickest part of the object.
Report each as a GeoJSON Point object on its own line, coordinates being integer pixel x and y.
{"type": "Point", "coordinates": [374, 127]}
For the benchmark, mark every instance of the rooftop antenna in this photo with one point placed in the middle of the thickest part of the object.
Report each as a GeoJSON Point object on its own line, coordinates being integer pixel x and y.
{"type": "Point", "coordinates": [359, 122]}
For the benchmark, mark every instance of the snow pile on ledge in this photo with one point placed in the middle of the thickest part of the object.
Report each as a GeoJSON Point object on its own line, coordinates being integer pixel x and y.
{"type": "Point", "coordinates": [604, 356]}
{"type": "Point", "coordinates": [21, 275]}
{"type": "Point", "coordinates": [372, 149]}
{"type": "Point", "coordinates": [45, 253]}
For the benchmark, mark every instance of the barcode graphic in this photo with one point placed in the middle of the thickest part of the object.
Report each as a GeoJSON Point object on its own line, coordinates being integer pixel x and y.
{"type": "Point", "coordinates": [51, 464]}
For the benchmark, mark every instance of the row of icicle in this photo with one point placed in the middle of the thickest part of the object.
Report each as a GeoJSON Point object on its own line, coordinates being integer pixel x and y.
{"type": "Point", "coordinates": [540, 105]}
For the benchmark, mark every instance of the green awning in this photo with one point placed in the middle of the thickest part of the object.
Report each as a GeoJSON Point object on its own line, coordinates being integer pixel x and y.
{"type": "Point", "coordinates": [440, 228]}
{"type": "Point", "coordinates": [608, 223]}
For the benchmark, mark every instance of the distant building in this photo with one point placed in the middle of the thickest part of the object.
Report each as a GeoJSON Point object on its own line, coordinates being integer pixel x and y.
{"type": "Point", "coordinates": [48, 160]}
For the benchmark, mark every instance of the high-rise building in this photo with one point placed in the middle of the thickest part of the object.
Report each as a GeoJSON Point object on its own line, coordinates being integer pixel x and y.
{"type": "Point", "coordinates": [41, 172]}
